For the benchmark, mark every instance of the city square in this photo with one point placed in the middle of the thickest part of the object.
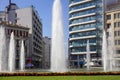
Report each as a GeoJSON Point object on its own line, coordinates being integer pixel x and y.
{"type": "Point", "coordinates": [91, 48]}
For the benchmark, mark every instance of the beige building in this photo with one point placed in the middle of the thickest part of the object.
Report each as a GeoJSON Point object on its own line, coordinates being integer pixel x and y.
{"type": "Point", "coordinates": [113, 21]}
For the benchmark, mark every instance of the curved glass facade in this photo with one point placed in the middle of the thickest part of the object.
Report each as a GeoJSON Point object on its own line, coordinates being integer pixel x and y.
{"type": "Point", "coordinates": [80, 13]}
{"type": "Point", "coordinates": [83, 42]}
{"type": "Point", "coordinates": [83, 34]}
{"type": "Point", "coordinates": [82, 6]}
{"type": "Point", "coordinates": [83, 19]}
{"type": "Point", "coordinates": [83, 27]}
{"type": "Point", "coordinates": [74, 1]}
{"type": "Point", "coordinates": [78, 46]}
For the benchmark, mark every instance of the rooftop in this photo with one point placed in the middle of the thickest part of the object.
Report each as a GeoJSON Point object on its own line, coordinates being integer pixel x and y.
{"type": "Point", "coordinates": [9, 24]}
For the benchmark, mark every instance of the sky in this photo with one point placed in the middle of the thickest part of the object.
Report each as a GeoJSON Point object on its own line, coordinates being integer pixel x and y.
{"type": "Point", "coordinates": [44, 8]}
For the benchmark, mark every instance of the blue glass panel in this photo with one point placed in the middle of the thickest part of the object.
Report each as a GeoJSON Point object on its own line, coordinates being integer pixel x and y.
{"type": "Point", "coordinates": [83, 19]}
{"type": "Point", "coordinates": [82, 6]}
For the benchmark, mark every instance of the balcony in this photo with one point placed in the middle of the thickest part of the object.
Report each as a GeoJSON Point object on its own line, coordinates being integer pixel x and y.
{"type": "Point", "coordinates": [86, 15]}
{"type": "Point", "coordinates": [85, 37]}
{"type": "Point", "coordinates": [76, 53]}
{"type": "Point", "coordinates": [77, 3]}
{"type": "Point", "coordinates": [89, 29]}
{"type": "Point", "coordinates": [82, 45]}
{"type": "Point", "coordinates": [77, 10]}
{"type": "Point", "coordinates": [82, 23]}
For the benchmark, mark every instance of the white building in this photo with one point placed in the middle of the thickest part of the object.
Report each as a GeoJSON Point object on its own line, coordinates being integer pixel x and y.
{"type": "Point", "coordinates": [27, 17]}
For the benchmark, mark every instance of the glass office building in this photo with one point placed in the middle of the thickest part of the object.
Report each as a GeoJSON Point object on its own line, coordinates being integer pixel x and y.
{"type": "Point", "coordinates": [85, 23]}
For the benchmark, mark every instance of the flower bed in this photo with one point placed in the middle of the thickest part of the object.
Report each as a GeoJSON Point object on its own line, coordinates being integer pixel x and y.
{"type": "Point", "coordinates": [60, 74]}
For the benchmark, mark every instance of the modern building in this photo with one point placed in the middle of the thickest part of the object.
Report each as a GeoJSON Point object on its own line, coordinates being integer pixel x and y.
{"type": "Point", "coordinates": [20, 33]}
{"type": "Point", "coordinates": [47, 50]}
{"type": "Point", "coordinates": [27, 17]}
{"type": "Point", "coordinates": [113, 21]}
{"type": "Point", "coordinates": [85, 23]}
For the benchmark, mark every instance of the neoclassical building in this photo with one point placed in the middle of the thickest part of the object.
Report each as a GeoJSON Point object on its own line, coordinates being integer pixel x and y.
{"type": "Point", "coordinates": [20, 33]}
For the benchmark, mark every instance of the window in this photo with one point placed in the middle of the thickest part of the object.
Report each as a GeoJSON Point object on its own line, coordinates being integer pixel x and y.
{"type": "Point", "coordinates": [15, 21]}
{"type": "Point", "coordinates": [17, 43]}
{"type": "Point", "coordinates": [11, 30]}
{"type": "Point", "coordinates": [26, 34]}
{"type": "Point", "coordinates": [118, 51]}
{"type": "Point", "coordinates": [82, 13]}
{"type": "Point", "coordinates": [108, 17]}
{"type": "Point", "coordinates": [118, 42]}
{"type": "Point", "coordinates": [115, 42]}
{"type": "Point", "coordinates": [15, 14]}
{"type": "Point", "coordinates": [108, 33]}
{"type": "Point", "coordinates": [118, 33]}
{"type": "Point", "coordinates": [8, 31]}
{"type": "Point", "coordinates": [115, 24]}
{"type": "Point", "coordinates": [17, 51]}
{"type": "Point", "coordinates": [115, 33]}
{"type": "Point", "coordinates": [118, 15]}
{"type": "Point", "coordinates": [82, 6]}
{"type": "Point", "coordinates": [14, 32]}
{"type": "Point", "coordinates": [20, 33]}
{"type": "Point", "coordinates": [83, 19]}
{"type": "Point", "coordinates": [118, 24]}
{"type": "Point", "coordinates": [0, 19]}
{"type": "Point", "coordinates": [115, 16]}
{"type": "Point", "coordinates": [17, 33]}
{"type": "Point", "coordinates": [108, 25]}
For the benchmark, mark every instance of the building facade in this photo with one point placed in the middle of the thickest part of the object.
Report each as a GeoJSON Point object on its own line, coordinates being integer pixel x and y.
{"type": "Point", "coordinates": [85, 23]}
{"type": "Point", "coordinates": [113, 21]}
{"type": "Point", "coordinates": [20, 33]}
{"type": "Point", "coordinates": [30, 18]}
{"type": "Point", "coordinates": [47, 50]}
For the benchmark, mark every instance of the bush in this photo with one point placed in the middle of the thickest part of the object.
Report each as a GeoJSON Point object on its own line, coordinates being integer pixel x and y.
{"type": "Point", "coordinates": [60, 74]}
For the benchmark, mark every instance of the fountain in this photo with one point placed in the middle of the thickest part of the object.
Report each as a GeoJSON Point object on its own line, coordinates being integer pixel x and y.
{"type": "Point", "coordinates": [111, 50]}
{"type": "Point", "coordinates": [109, 53]}
{"type": "Point", "coordinates": [12, 55]}
{"type": "Point", "coordinates": [3, 50]}
{"type": "Point", "coordinates": [58, 60]}
{"type": "Point", "coordinates": [104, 51]}
{"type": "Point", "coordinates": [22, 57]}
{"type": "Point", "coordinates": [88, 55]}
